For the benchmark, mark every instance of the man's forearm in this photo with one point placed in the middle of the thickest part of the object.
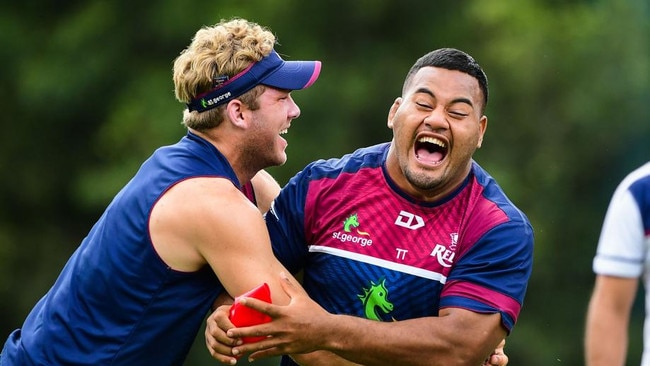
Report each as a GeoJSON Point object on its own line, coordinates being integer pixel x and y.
{"type": "Point", "coordinates": [321, 358]}
{"type": "Point", "coordinates": [423, 341]}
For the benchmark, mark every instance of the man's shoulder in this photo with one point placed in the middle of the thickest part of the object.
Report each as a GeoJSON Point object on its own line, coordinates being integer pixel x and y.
{"type": "Point", "coordinates": [202, 193]}
{"type": "Point", "coordinates": [635, 184]}
{"type": "Point", "coordinates": [365, 157]}
{"type": "Point", "coordinates": [493, 193]}
{"type": "Point", "coordinates": [639, 178]}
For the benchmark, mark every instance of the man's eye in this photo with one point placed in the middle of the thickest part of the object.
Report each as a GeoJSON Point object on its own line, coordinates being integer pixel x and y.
{"type": "Point", "coordinates": [423, 105]}
{"type": "Point", "coordinates": [458, 114]}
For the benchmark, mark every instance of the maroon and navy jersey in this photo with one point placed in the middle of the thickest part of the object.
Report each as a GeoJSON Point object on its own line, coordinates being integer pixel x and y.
{"type": "Point", "coordinates": [369, 249]}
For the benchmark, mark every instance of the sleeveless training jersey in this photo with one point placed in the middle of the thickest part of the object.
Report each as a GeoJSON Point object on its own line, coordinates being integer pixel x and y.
{"type": "Point", "coordinates": [116, 302]}
{"type": "Point", "coordinates": [370, 250]}
{"type": "Point", "coordinates": [623, 247]}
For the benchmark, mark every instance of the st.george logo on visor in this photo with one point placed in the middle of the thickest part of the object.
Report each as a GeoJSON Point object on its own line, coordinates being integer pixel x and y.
{"type": "Point", "coordinates": [409, 220]}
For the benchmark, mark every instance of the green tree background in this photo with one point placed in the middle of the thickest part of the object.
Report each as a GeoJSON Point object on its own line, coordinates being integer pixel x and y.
{"type": "Point", "coordinates": [87, 91]}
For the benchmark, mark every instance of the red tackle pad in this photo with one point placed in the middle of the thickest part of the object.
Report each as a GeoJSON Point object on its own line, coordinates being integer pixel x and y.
{"type": "Point", "coordinates": [242, 316]}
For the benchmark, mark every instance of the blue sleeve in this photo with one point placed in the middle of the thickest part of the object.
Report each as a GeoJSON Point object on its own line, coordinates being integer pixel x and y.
{"type": "Point", "coordinates": [286, 223]}
{"type": "Point", "coordinates": [493, 275]}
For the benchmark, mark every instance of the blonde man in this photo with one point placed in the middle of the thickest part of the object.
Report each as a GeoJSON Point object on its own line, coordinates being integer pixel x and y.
{"type": "Point", "coordinates": [182, 231]}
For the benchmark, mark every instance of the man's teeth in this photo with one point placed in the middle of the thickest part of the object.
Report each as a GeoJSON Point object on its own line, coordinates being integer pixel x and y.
{"type": "Point", "coordinates": [284, 131]}
{"type": "Point", "coordinates": [432, 140]}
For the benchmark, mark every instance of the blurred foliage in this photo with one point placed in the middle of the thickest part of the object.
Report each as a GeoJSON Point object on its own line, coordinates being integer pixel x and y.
{"type": "Point", "coordinates": [88, 93]}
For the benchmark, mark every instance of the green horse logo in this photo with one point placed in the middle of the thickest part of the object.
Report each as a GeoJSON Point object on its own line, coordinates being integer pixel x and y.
{"type": "Point", "coordinates": [353, 221]}
{"type": "Point", "coordinates": [376, 297]}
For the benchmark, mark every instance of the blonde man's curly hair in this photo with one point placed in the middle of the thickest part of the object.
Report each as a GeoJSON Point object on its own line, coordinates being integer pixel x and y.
{"type": "Point", "coordinates": [226, 48]}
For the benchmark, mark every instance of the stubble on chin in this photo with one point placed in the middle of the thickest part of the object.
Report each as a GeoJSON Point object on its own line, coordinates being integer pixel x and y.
{"type": "Point", "coordinates": [422, 180]}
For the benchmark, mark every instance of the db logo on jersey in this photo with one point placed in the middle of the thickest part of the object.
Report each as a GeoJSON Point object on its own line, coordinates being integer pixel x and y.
{"type": "Point", "coordinates": [445, 256]}
{"type": "Point", "coordinates": [409, 220]}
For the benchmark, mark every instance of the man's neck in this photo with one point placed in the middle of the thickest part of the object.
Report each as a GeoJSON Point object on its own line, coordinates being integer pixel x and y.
{"type": "Point", "coordinates": [227, 147]}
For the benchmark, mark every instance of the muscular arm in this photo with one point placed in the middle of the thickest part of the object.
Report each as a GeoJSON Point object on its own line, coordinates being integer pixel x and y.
{"type": "Point", "coordinates": [266, 189]}
{"type": "Point", "coordinates": [456, 337]}
{"type": "Point", "coordinates": [608, 316]}
{"type": "Point", "coordinates": [209, 221]}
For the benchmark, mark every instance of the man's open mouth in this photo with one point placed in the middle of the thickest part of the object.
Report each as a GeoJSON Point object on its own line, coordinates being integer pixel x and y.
{"type": "Point", "coordinates": [430, 150]}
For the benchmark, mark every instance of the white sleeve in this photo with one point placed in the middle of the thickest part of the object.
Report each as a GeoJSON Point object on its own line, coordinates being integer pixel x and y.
{"type": "Point", "coordinates": [621, 247]}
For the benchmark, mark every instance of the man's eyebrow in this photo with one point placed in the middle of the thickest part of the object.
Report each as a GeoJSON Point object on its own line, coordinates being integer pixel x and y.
{"type": "Point", "coordinates": [457, 100]}
{"type": "Point", "coordinates": [424, 91]}
{"type": "Point", "coordinates": [463, 100]}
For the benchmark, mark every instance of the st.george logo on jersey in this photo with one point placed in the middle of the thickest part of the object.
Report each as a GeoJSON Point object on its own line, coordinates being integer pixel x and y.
{"type": "Point", "coordinates": [355, 236]}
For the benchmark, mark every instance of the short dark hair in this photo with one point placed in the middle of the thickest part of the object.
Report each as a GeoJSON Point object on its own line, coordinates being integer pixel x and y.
{"type": "Point", "coordinates": [452, 59]}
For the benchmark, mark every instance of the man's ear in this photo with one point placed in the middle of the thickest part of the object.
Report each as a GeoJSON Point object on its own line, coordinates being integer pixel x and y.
{"type": "Point", "coordinates": [483, 122]}
{"type": "Point", "coordinates": [236, 113]}
{"type": "Point", "coordinates": [393, 110]}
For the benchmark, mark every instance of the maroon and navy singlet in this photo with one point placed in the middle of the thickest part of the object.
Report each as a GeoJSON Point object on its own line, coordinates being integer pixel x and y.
{"type": "Point", "coordinates": [116, 302]}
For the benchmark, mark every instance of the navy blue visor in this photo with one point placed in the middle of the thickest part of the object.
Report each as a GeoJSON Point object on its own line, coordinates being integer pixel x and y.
{"type": "Point", "coordinates": [271, 70]}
